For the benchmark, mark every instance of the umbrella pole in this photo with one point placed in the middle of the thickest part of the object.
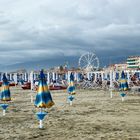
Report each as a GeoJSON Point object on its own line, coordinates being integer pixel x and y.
{"type": "Point", "coordinates": [4, 111]}
{"type": "Point", "coordinates": [122, 99]}
{"type": "Point", "coordinates": [111, 95]}
{"type": "Point", "coordinates": [4, 107]}
{"type": "Point", "coordinates": [41, 110]}
{"type": "Point", "coordinates": [123, 96]}
{"type": "Point", "coordinates": [31, 98]}
{"type": "Point", "coordinates": [70, 102]}
{"type": "Point", "coordinates": [41, 120]}
{"type": "Point", "coordinates": [40, 123]}
{"type": "Point", "coordinates": [71, 99]}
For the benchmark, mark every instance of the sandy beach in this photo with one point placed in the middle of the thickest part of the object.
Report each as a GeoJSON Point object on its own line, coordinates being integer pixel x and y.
{"type": "Point", "coordinates": [93, 116]}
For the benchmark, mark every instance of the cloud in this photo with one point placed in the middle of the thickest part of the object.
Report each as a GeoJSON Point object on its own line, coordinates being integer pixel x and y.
{"type": "Point", "coordinates": [43, 30]}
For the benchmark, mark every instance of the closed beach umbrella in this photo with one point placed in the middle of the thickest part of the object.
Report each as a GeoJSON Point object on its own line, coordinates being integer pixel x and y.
{"type": "Point", "coordinates": [43, 97]}
{"type": "Point", "coordinates": [71, 87]}
{"type": "Point", "coordinates": [123, 82]}
{"type": "Point", "coordinates": [5, 91]}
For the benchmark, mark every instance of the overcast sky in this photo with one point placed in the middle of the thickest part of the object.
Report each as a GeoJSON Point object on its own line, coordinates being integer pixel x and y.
{"type": "Point", "coordinates": [44, 30]}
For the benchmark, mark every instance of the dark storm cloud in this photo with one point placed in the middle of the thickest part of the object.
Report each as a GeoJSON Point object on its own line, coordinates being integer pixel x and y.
{"type": "Point", "coordinates": [47, 29]}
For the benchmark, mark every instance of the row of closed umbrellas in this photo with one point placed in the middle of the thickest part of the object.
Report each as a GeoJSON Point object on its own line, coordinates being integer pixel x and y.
{"type": "Point", "coordinates": [43, 97]}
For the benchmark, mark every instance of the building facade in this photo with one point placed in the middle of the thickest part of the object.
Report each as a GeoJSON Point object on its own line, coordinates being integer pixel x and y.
{"type": "Point", "coordinates": [133, 62]}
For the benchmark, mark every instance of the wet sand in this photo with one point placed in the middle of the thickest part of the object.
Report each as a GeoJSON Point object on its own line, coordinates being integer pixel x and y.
{"type": "Point", "coordinates": [93, 116]}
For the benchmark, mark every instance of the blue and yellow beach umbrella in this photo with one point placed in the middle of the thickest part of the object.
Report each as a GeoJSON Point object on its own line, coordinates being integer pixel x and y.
{"type": "Point", "coordinates": [123, 82]}
{"type": "Point", "coordinates": [43, 97]}
{"type": "Point", "coordinates": [71, 87]}
{"type": "Point", "coordinates": [5, 91]}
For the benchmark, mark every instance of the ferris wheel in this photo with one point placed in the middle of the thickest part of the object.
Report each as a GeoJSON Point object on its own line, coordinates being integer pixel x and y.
{"type": "Point", "coordinates": [89, 61]}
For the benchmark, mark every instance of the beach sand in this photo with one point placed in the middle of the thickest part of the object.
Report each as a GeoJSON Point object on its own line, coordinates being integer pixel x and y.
{"type": "Point", "coordinates": [93, 116]}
